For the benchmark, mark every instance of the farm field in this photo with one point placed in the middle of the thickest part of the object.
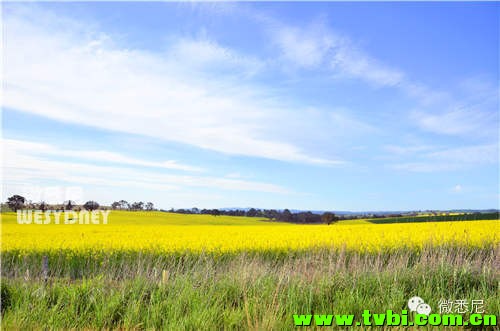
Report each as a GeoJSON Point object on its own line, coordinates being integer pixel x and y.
{"type": "Point", "coordinates": [154, 270]}
{"type": "Point", "coordinates": [171, 233]}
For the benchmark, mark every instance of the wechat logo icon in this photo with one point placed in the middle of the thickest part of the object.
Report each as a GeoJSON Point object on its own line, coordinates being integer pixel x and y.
{"type": "Point", "coordinates": [417, 304]}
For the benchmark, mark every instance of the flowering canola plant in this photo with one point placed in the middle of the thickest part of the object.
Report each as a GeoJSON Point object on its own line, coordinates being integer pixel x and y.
{"type": "Point", "coordinates": [164, 232]}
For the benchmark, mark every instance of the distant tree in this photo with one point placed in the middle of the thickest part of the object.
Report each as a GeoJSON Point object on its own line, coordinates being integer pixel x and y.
{"type": "Point", "coordinates": [137, 205]}
{"type": "Point", "coordinates": [69, 205]}
{"type": "Point", "coordinates": [252, 212]}
{"type": "Point", "coordinates": [29, 205]}
{"type": "Point", "coordinates": [43, 206]}
{"type": "Point", "coordinates": [195, 210]}
{"type": "Point", "coordinates": [329, 218]}
{"type": "Point", "coordinates": [91, 205]}
{"type": "Point", "coordinates": [150, 206]}
{"type": "Point", "coordinates": [16, 202]}
{"type": "Point", "coordinates": [286, 216]}
{"type": "Point", "coordinates": [124, 205]}
{"type": "Point", "coordinates": [115, 205]}
{"type": "Point", "coordinates": [306, 217]}
{"type": "Point", "coordinates": [274, 214]}
{"type": "Point", "coordinates": [215, 212]}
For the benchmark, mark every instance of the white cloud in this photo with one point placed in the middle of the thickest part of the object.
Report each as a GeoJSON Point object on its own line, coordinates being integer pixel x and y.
{"type": "Point", "coordinates": [31, 162]}
{"type": "Point", "coordinates": [318, 47]}
{"type": "Point", "coordinates": [305, 48]}
{"type": "Point", "coordinates": [450, 159]}
{"type": "Point", "coordinates": [355, 63]}
{"type": "Point", "coordinates": [472, 108]}
{"type": "Point", "coordinates": [458, 121]}
{"type": "Point", "coordinates": [202, 53]}
{"type": "Point", "coordinates": [407, 150]}
{"type": "Point", "coordinates": [481, 154]}
{"type": "Point", "coordinates": [234, 175]}
{"type": "Point", "coordinates": [63, 71]}
{"type": "Point", "coordinates": [473, 114]}
{"type": "Point", "coordinates": [36, 148]}
{"type": "Point", "coordinates": [425, 166]}
{"type": "Point", "coordinates": [457, 188]}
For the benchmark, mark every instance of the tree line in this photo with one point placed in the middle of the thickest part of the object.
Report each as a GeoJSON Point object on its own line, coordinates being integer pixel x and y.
{"type": "Point", "coordinates": [17, 202]}
{"type": "Point", "coordinates": [272, 214]}
{"type": "Point", "coordinates": [138, 205]}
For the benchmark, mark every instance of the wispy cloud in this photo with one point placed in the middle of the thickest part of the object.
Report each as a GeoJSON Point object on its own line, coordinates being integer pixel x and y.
{"type": "Point", "coordinates": [482, 154]}
{"type": "Point", "coordinates": [348, 60]}
{"type": "Point", "coordinates": [317, 46]}
{"type": "Point", "coordinates": [31, 162]}
{"type": "Point", "coordinates": [306, 48]}
{"type": "Point", "coordinates": [477, 115]}
{"type": "Point", "coordinates": [11, 145]}
{"type": "Point", "coordinates": [424, 167]}
{"type": "Point", "coordinates": [457, 188]}
{"type": "Point", "coordinates": [203, 53]}
{"type": "Point", "coordinates": [408, 149]}
{"type": "Point", "coordinates": [450, 159]}
{"type": "Point", "coordinates": [80, 76]}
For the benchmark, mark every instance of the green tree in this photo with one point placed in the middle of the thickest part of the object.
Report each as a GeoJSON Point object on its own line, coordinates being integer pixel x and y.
{"type": "Point", "coordinates": [16, 202]}
{"type": "Point", "coordinates": [329, 218]}
{"type": "Point", "coordinates": [91, 205]}
{"type": "Point", "coordinates": [69, 205]}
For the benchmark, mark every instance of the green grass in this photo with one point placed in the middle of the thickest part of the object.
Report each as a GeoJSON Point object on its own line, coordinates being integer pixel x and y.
{"type": "Point", "coordinates": [437, 218]}
{"type": "Point", "coordinates": [239, 291]}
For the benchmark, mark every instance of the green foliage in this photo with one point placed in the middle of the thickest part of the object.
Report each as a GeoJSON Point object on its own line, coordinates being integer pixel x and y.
{"type": "Point", "coordinates": [437, 218]}
{"type": "Point", "coordinates": [258, 291]}
{"type": "Point", "coordinates": [5, 297]}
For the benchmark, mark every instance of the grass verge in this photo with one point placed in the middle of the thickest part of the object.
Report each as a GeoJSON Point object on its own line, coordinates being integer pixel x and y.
{"type": "Point", "coordinates": [240, 291]}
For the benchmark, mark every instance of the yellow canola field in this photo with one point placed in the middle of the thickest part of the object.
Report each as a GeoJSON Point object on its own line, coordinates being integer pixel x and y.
{"type": "Point", "coordinates": [178, 233]}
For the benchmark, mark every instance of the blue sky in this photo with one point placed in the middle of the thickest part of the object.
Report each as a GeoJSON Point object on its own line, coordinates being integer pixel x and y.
{"type": "Point", "coordinates": [338, 106]}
